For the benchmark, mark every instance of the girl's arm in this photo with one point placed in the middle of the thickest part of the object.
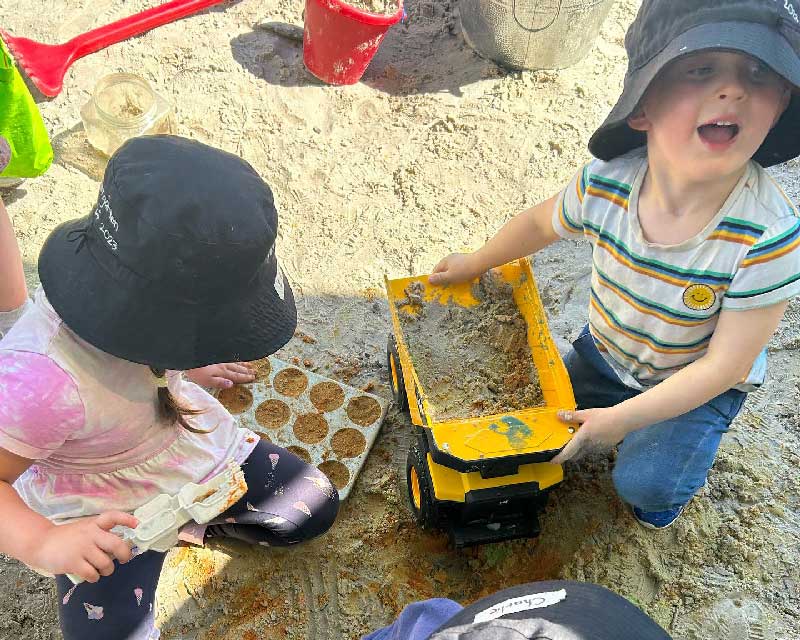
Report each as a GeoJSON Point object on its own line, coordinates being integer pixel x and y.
{"type": "Point", "coordinates": [85, 547]}
{"type": "Point", "coordinates": [524, 234]}
{"type": "Point", "coordinates": [738, 339]}
{"type": "Point", "coordinates": [13, 292]}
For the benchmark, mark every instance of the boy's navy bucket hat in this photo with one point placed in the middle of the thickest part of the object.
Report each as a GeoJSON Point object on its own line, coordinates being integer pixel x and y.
{"type": "Point", "coordinates": [175, 267]}
{"type": "Point", "coordinates": [551, 610]}
{"type": "Point", "coordinates": [668, 29]}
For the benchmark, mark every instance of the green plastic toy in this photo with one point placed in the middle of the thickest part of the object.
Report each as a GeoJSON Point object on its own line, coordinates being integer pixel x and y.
{"type": "Point", "coordinates": [21, 124]}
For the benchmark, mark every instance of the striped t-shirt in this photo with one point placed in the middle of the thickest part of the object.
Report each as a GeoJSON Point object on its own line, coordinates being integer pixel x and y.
{"type": "Point", "coordinates": [653, 307]}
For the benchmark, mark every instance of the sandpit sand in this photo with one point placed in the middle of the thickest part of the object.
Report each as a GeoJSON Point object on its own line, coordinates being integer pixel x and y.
{"type": "Point", "coordinates": [429, 154]}
{"type": "Point", "coordinates": [471, 361]}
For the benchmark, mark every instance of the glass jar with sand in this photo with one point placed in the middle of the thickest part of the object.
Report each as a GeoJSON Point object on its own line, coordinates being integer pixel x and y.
{"type": "Point", "coordinates": [124, 106]}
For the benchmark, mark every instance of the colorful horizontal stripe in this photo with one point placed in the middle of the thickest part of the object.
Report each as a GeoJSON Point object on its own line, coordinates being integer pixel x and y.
{"type": "Point", "coordinates": [611, 190]}
{"type": "Point", "coordinates": [775, 247]}
{"type": "Point", "coordinates": [649, 307]}
{"type": "Point", "coordinates": [566, 221]}
{"type": "Point", "coordinates": [737, 230]}
{"type": "Point", "coordinates": [760, 292]}
{"type": "Point", "coordinates": [635, 361]}
{"type": "Point", "coordinates": [580, 185]}
{"type": "Point", "coordinates": [645, 338]}
{"type": "Point", "coordinates": [673, 274]}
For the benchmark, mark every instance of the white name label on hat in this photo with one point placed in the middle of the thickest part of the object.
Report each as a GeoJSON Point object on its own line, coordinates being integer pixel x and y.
{"type": "Point", "coordinates": [523, 603]}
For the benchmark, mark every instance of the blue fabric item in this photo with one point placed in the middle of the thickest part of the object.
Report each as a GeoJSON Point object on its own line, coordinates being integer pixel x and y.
{"type": "Point", "coordinates": [657, 519]}
{"type": "Point", "coordinates": [418, 620]}
{"type": "Point", "coordinates": [659, 467]}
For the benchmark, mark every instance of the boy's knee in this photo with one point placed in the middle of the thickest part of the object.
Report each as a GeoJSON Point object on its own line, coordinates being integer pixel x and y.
{"type": "Point", "coordinates": [644, 489]}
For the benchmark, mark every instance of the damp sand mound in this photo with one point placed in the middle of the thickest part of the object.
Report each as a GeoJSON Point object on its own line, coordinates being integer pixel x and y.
{"type": "Point", "coordinates": [374, 6]}
{"type": "Point", "coordinates": [472, 361]}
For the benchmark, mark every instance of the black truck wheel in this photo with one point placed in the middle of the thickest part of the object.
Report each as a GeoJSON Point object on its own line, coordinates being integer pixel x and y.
{"type": "Point", "coordinates": [420, 489]}
{"type": "Point", "coordinates": [396, 374]}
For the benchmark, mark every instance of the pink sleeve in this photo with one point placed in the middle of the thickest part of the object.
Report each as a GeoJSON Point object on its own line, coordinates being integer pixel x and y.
{"type": "Point", "coordinates": [40, 407]}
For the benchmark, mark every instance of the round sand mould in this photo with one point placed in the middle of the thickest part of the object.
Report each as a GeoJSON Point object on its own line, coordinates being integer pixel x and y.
{"type": "Point", "coordinates": [273, 414]}
{"type": "Point", "coordinates": [262, 369]}
{"type": "Point", "coordinates": [310, 428]}
{"type": "Point", "coordinates": [235, 399]}
{"type": "Point", "coordinates": [301, 453]}
{"type": "Point", "coordinates": [363, 410]}
{"type": "Point", "coordinates": [290, 382]}
{"type": "Point", "coordinates": [326, 396]}
{"type": "Point", "coordinates": [348, 443]}
{"type": "Point", "coordinates": [336, 473]}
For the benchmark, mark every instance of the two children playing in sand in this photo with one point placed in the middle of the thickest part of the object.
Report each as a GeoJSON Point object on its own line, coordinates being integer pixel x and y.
{"type": "Point", "coordinates": [696, 252]}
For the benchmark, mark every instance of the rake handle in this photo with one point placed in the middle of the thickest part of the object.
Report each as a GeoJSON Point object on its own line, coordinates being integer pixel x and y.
{"type": "Point", "coordinates": [136, 24]}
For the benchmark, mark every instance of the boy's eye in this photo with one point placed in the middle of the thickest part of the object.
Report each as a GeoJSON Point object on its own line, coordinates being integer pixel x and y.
{"type": "Point", "coordinates": [700, 71]}
{"type": "Point", "coordinates": [760, 72]}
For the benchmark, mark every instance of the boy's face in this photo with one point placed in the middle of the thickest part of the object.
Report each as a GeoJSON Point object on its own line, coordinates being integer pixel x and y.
{"type": "Point", "coordinates": [707, 113]}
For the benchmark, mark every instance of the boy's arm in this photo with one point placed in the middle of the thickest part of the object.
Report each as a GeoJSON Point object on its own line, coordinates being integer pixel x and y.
{"type": "Point", "coordinates": [738, 339]}
{"type": "Point", "coordinates": [13, 291]}
{"type": "Point", "coordinates": [524, 234]}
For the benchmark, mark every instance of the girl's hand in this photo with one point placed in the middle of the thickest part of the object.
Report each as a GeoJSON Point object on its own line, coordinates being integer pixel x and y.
{"type": "Point", "coordinates": [85, 548]}
{"type": "Point", "coordinates": [455, 268]}
{"type": "Point", "coordinates": [599, 429]}
{"type": "Point", "coordinates": [222, 376]}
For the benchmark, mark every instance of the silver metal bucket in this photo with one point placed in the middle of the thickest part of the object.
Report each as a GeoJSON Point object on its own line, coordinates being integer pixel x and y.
{"type": "Point", "coordinates": [531, 34]}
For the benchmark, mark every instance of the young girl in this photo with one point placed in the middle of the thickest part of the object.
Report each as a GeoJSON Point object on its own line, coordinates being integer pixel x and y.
{"type": "Point", "coordinates": [174, 269]}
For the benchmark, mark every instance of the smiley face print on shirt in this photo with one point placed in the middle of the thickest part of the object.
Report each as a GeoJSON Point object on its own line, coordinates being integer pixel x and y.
{"type": "Point", "coordinates": [699, 297]}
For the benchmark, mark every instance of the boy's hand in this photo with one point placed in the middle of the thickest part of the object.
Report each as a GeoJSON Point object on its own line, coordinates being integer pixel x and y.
{"type": "Point", "coordinates": [85, 548]}
{"type": "Point", "coordinates": [222, 376]}
{"type": "Point", "coordinates": [600, 429]}
{"type": "Point", "coordinates": [455, 268]}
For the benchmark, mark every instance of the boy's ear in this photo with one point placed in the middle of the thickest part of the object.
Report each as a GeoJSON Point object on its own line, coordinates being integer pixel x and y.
{"type": "Point", "coordinates": [785, 100]}
{"type": "Point", "coordinates": [638, 120]}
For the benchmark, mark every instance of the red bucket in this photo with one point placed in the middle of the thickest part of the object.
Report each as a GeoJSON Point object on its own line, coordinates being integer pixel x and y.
{"type": "Point", "coordinates": [340, 40]}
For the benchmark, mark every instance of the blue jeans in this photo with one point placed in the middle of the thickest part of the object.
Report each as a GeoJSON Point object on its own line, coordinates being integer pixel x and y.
{"type": "Point", "coordinates": [661, 466]}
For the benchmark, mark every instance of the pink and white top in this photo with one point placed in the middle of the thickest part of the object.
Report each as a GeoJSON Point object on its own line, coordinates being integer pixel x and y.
{"type": "Point", "coordinates": [91, 423]}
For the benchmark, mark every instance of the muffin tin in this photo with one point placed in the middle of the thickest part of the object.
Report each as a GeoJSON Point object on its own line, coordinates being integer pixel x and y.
{"type": "Point", "coordinates": [327, 423]}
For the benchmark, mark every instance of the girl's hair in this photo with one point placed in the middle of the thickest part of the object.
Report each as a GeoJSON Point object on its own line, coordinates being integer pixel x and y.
{"type": "Point", "coordinates": [173, 410]}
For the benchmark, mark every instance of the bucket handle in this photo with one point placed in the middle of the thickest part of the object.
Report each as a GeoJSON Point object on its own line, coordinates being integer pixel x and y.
{"type": "Point", "coordinates": [522, 26]}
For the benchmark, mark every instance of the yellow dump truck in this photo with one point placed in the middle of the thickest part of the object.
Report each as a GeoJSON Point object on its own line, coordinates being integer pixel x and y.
{"type": "Point", "coordinates": [482, 479]}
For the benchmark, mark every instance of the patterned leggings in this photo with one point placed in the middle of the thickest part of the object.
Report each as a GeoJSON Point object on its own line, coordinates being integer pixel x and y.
{"type": "Point", "coordinates": [287, 501]}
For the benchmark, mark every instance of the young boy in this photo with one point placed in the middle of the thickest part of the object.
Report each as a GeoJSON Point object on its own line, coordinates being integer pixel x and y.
{"type": "Point", "coordinates": [696, 251]}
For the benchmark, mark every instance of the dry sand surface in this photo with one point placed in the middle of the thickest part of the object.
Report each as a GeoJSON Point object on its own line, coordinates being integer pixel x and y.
{"type": "Point", "coordinates": [430, 153]}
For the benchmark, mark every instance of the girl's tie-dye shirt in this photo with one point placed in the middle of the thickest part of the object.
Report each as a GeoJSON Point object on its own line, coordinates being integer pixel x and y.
{"type": "Point", "coordinates": [91, 423]}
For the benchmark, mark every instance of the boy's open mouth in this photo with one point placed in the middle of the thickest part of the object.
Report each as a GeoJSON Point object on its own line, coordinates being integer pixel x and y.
{"type": "Point", "coordinates": [718, 132]}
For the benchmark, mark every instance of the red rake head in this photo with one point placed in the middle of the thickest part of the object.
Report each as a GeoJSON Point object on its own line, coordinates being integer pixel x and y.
{"type": "Point", "coordinates": [44, 64]}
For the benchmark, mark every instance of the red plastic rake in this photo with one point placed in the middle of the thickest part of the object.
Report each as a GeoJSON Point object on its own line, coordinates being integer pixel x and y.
{"type": "Point", "coordinates": [46, 64]}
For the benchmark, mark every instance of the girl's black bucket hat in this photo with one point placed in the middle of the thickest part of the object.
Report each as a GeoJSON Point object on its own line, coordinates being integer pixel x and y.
{"type": "Point", "coordinates": [175, 267]}
{"type": "Point", "coordinates": [668, 29]}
